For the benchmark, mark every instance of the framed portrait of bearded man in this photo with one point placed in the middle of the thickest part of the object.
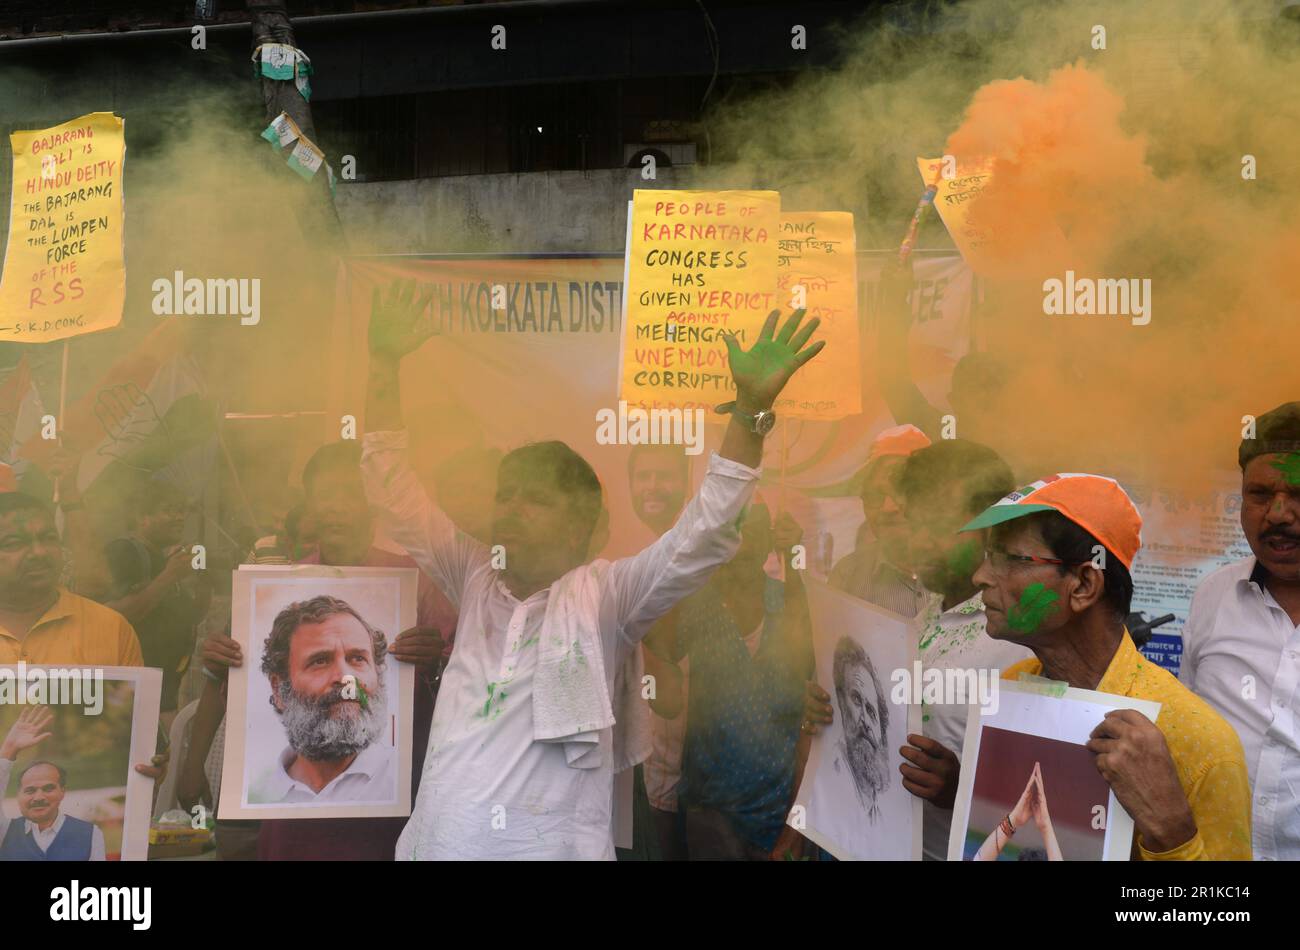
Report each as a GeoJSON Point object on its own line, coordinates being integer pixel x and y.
{"type": "Point", "coordinates": [319, 715]}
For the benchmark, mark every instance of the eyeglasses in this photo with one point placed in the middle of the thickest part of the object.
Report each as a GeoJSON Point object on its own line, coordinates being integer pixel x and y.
{"type": "Point", "coordinates": [1003, 561]}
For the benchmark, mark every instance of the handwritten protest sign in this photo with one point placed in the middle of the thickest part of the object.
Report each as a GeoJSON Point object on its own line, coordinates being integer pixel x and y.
{"type": "Point", "coordinates": [953, 200]}
{"type": "Point", "coordinates": [64, 273]}
{"type": "Point", "coordinates": [700, 263]}
{"type": "Point", "coordinates": [817, 269]}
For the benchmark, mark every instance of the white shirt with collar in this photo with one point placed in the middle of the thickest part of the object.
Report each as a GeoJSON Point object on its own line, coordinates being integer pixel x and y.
{"type": "Point", "coordinates": [488, 790]}
{"type": "Point", "coordinates": [1241, 654]}
{"type": "Point", "coordinates": [369, 779]}
{"type": "Point", "coordinates": [44, 839]}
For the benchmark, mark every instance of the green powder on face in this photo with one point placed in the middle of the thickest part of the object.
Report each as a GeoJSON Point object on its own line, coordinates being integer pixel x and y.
{"type": "Point", "coordinates": [1289, 466]}
{"type": "Point", "coordinates": [965, 560]}
{"type": "Point", "coordinates": [1036, 602]}
{"type": "Point", "coordinates": [363, 697]}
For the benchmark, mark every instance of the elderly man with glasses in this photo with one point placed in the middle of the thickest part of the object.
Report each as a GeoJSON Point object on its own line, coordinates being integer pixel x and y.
{"type": "Point", "coordinates": [1055, 578]}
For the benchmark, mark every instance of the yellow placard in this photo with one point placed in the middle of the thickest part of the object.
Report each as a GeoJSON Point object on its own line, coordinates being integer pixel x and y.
{"type": "Point", "coordinates": [817, 269]}
{"type": "Point", "coordinates": [953, 198]}
{"type": "Point", "coordinates": [700, 263]}
{"type": "Point", "coordinates": [64, 273]}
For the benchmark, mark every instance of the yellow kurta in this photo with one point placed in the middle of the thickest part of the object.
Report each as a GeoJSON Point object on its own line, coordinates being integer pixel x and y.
{"type": "Point", "coordinates": [1206, 752]}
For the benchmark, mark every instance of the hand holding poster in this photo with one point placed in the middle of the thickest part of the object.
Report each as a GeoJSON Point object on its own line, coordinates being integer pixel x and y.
{"type": "Point", "coordinates": [319, 717]}
{"type": "Point", "coordinates": [64, 273]}
{"type": "Point", "coordinates": [852, 801]}
{"type": "Point", "coordinates": [817, 269]}
{"type": "Point", "coordinates": [699, 264]}
{"type": "Point", "coordinates": [1029, 787]}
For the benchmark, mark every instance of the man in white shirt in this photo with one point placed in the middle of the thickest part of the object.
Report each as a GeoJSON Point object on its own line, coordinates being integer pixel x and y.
{"type": "Point", "coordinates": [44, 832]}
{"type": "Point", "coordinates": [521, 755]}
{"type": "Point", "coordinates": [1241, 643]}
{"type": "Point", "coordinates": [326, 669]}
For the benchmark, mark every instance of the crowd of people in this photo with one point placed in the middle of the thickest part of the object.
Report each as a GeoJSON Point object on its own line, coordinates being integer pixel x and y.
{"type": "Point", "coordinates": [1033, 579]}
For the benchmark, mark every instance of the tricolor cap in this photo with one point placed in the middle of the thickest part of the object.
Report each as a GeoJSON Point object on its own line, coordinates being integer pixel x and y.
{"type": "Point", "coordinates": [1095, 503]}
{"type": "Point", "coordinates": [900, 440]}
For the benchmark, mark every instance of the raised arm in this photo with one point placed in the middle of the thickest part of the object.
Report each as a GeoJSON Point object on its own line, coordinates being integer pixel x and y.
{"type": "Point", "coordinates": [760, 373]}
{"type": "Point", "coordinates": [706, 534]}
{"type": "Point", "coordinates": [397, 327]}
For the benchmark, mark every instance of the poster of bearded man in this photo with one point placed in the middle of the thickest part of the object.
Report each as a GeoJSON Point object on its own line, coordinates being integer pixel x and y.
{"type": "Point", "coordinates": [851, 801]}
{"type": "Point", "coordinates": [319, 718]}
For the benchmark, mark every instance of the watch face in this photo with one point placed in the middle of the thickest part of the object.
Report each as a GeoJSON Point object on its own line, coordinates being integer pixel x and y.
{"type": "Point", "coordinates": [764, 421]}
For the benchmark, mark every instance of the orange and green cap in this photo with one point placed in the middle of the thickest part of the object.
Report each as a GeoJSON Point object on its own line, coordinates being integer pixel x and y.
{"type": "Point", "coordinates": [1095, 503]}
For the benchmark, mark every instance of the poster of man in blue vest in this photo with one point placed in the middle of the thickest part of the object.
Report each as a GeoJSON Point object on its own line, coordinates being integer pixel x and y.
{"type": "Point", "coordinates": [65, 767]}
{"type": "Point", "coordinates": [44, 832]}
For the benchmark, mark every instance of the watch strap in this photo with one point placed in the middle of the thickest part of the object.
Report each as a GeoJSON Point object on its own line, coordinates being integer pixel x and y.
{"type": "Point", "coordinates": [751, 420]}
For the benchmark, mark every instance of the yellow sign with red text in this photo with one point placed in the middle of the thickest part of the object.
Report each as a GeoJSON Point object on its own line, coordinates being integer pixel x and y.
{"type": "Point", "coordinates": [699, 264]}
{"type": "Point", "coordinates": [64, 270]}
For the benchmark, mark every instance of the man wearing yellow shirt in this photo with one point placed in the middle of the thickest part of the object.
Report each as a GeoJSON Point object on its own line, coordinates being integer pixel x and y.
{"type": "Point", "coordinates": [40, 622]}
{"type": "Point", "coordinates": [1055, 578]}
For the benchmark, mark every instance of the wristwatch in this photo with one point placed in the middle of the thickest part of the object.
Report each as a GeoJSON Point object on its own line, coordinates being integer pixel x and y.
{"type": "Point", "coordinates": [760, 422]}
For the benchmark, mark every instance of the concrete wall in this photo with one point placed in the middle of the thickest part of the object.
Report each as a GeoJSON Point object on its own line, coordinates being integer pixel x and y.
{"type": "Point", "coordinates": [554, 211]}
{"type": "Point", "coordinates": [538, 211]}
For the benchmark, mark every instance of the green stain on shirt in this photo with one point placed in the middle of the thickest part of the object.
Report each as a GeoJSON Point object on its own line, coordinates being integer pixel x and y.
{"type": "Point", "coordinates": [1036, 602]}
{"type": "Point", "coordinates": [496, 697]}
